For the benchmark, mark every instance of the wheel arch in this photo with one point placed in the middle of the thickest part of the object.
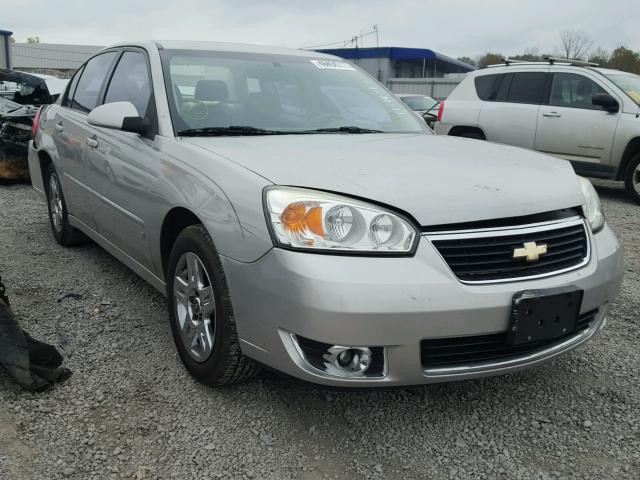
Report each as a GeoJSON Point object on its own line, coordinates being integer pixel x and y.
{"type": "Point", "coordinates": [176, 220]}
{"type": "Point", "coordinates": [44, 159]}
{"type": "Point", "coordinates": [460, 130]}
{"type": "Point", "coordinates": [632, 148]}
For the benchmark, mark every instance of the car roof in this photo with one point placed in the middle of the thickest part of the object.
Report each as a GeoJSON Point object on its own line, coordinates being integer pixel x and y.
{"type": "Point", "coordinates": [540, 65]}
{"type": "Point", "coordinates": [223, 47]}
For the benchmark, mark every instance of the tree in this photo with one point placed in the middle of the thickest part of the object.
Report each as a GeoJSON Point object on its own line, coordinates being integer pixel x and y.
{"type": "Point", "coordinates": [575, 43]}
{"type": "Point", "coordinates": [625, 59]}
{"type": "Point", "coordinates": [531, 54]}
{"type": "Point", "coordinates": [33, 40]}
{"type": "Point", "coordinates": [489, 59]}
{"type": "Point", "coordinates": [600, 56]}
{"type": "Point", "coordinates": [467, 60]}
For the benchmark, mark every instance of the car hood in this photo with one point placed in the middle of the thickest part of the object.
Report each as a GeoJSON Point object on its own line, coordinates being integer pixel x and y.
{"type": "Point", "coordinates": [437, 180]}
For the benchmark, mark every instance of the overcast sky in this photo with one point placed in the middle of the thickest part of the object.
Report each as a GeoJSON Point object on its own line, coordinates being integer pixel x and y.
{"type": "Point", "coordinates": [452, 27]}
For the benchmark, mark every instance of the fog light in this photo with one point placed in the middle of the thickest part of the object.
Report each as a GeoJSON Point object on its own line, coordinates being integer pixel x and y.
{"type": "Point", "coordinates": [347, 361]}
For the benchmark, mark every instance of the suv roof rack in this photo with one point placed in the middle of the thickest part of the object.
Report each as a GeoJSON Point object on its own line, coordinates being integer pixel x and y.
{"type": "Point", "coordinates": [547, 60]}
{"type": "Point", "coordinates": [570, 61]}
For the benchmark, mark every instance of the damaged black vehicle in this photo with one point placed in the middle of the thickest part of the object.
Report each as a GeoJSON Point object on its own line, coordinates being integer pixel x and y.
{"type": "Point", "coordinates": [20, 98]}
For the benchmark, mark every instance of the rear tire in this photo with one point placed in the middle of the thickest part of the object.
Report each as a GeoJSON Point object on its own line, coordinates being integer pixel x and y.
{"type": "Point", "coordinates": [632, 178]}
{"type": "Point", "coordinates": [63, 232]}
{"type": "Point", "coordinates": [201, 313]}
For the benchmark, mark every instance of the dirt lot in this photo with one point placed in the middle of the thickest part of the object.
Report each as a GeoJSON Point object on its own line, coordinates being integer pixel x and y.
{"type": "Point", "coordinates": [131, 411]}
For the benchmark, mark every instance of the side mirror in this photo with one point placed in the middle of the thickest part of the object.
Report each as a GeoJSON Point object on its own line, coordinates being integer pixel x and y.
{"type": "Point", "coordinates": [606, 101]}
{"type": "Point", "coordinates": [118, 116]}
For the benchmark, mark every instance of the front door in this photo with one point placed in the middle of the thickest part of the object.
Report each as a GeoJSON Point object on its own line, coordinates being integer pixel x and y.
{"type": "Point", "coordinates": [571, 127]}
{"type": "Point", "coordinates": [123, 166]}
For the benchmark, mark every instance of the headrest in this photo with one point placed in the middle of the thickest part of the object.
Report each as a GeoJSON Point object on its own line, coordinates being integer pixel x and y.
{"type": "Point", "coordinates": [211, 91]}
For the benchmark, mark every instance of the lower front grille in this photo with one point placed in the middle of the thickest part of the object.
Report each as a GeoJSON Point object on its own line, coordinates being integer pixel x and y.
{"type": "Point", "coordinates": [441, 352]}
{"type": "Point", "coordinates": [491, 255]}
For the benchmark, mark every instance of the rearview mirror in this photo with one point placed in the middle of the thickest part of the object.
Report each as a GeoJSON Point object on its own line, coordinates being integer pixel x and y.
{"type": "Point", "coordinates": [118, 116]}
{"type": "Point", "coordinates": [606, 101]}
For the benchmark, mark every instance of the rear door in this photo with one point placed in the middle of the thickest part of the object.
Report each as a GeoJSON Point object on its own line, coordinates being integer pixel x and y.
{"type": "Point", "coordinates": [571, 127]}
{"type": "Point", "coordinates": [510, 111]}
{"type": "Point", "coordinates": [70, 134]}
{"type": "Point", "coordinates": [124, 167]}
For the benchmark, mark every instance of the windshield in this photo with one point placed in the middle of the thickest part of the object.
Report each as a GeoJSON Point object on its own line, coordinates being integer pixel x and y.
{"type": "Point", "coordinates": [281, 93]}
{"type": "Point", "coordinates": [420, 102]}
{"type": "Point", "coordinates": [628, 82]}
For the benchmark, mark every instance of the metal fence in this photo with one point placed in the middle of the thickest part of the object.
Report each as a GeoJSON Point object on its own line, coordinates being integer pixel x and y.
{"type": "Point", "coordinates": [438, 88]}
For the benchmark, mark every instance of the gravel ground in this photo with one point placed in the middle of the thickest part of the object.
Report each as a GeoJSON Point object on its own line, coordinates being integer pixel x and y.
{"type": "Point", "coordinates": [131, 411]}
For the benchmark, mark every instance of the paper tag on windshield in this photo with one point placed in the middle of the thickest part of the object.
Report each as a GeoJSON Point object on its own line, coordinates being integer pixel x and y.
{"type": "Point", "coordinates": [332, 65]}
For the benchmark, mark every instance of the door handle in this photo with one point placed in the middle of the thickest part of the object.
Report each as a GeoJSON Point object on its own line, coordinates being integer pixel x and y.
{"type": "Point", "coordinates": [92, 142]}
{"type": "Point", "coordinates": [59, 127]}
{"type": "Point", "coordinates": [551, 114]}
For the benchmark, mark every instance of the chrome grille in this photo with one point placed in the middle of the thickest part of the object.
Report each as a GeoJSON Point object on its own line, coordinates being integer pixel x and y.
{"type": "Point", "coordinates": [483, 256]}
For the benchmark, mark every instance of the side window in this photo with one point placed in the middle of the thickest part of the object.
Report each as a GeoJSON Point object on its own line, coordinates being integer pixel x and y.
{"type": "Point", "coordinates": [130, 82]}
{"type": "Point", "coordinates": [574, 91]}
{"type": "Point", "coordinates": [68, 95]}
{"type": "Point", "coordinates": [85, 98]}
{"type": "Point", "coordinates": [493, 88]}
{"type": "Point", "coordinates": [527, 87]}
{"type": "Point", "coordinates": [485, 86]}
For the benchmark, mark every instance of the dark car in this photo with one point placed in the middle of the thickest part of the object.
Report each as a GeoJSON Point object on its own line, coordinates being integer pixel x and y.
{"type": "Point", "coordinates": [21, 96]}
{"type": "Point", "coordinates": [423, 105]}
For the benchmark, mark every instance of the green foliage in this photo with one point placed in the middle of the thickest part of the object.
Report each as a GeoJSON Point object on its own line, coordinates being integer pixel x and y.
{"type": "Point", "coordinates": [490, 59]}
{"type": "Point", "coordinates": [622, 58]}
{"type": "Point", "coordinates": [468, 60]}
{"type": "Point", "coordinates": [625, 59]}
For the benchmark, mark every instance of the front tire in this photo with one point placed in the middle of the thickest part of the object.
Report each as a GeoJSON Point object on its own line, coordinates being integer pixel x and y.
{"type": "Point", "coordinates": [201, 313]}
{"type": "Point", "coordinates": [63, 232]}
{"type": "Point", "coordinates": [632, 178]}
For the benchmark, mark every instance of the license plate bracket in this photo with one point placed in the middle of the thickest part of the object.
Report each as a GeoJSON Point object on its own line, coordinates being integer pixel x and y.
{"type": "Point", "coordinates": [538, 315]}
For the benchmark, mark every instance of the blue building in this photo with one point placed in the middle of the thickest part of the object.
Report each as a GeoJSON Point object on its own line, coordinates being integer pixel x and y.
{"type": "Point", "coordinates": [396, 62]}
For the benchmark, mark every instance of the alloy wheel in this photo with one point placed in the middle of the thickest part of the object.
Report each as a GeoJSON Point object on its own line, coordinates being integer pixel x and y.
{"type": "Point", "coordinates": [635, 179]}
{"type": "Point", "coordinates": [194, 306]}
{"type": "Point", "coordinates": [55, 202]}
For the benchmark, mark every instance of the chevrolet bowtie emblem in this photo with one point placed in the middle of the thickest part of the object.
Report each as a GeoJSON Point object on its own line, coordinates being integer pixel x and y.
{"type": "Point", "coordinates": [531, 251]}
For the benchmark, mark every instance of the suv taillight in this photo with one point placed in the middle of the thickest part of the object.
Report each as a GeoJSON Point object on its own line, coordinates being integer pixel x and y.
{"type": "Point", "coordinates": [440, 110]}
{"type": "Point", "coordinates": [36, 123]}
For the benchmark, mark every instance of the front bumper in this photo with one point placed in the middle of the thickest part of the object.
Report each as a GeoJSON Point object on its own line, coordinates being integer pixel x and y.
{"type": "Point", "coordinates": [394, 303]}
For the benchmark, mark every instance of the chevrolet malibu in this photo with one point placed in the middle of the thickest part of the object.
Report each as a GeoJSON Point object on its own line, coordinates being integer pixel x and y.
{"type": "Point", "coordinates": [298, 215]}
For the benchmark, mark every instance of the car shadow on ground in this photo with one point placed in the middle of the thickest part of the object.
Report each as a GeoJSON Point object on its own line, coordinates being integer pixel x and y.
{"type": "Point", "coordinates": [613, 191]}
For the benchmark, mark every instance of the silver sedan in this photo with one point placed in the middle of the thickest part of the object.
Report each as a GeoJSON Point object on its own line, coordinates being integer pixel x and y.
{"type": "Point", "coordinates": [298, 215]}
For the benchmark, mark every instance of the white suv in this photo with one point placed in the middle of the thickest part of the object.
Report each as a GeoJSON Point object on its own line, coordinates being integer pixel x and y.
{"type": "Point", "coordinates": [569, 109]}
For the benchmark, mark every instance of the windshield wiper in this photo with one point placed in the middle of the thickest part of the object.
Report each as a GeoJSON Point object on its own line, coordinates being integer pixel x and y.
{"type": "Point", "coordinates": [345, 129]}
{"type": "Point", "coordinates": [233, 130]}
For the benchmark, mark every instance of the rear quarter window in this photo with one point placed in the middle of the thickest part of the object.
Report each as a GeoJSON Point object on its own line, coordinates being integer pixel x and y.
{"type": "Point", "coordinates": [68, 96]}
{"type": "Point", "coordinates": [493, 88]}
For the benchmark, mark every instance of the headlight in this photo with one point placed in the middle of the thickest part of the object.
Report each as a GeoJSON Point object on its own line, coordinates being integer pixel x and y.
{"type": "Point", "coordinates": [311, 220]}
{"type": "Point", "coordinates": [591, 208]}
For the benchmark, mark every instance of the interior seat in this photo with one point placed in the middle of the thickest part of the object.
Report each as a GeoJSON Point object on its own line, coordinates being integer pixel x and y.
{"type": "Point", "coordinates": [210, 107]}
